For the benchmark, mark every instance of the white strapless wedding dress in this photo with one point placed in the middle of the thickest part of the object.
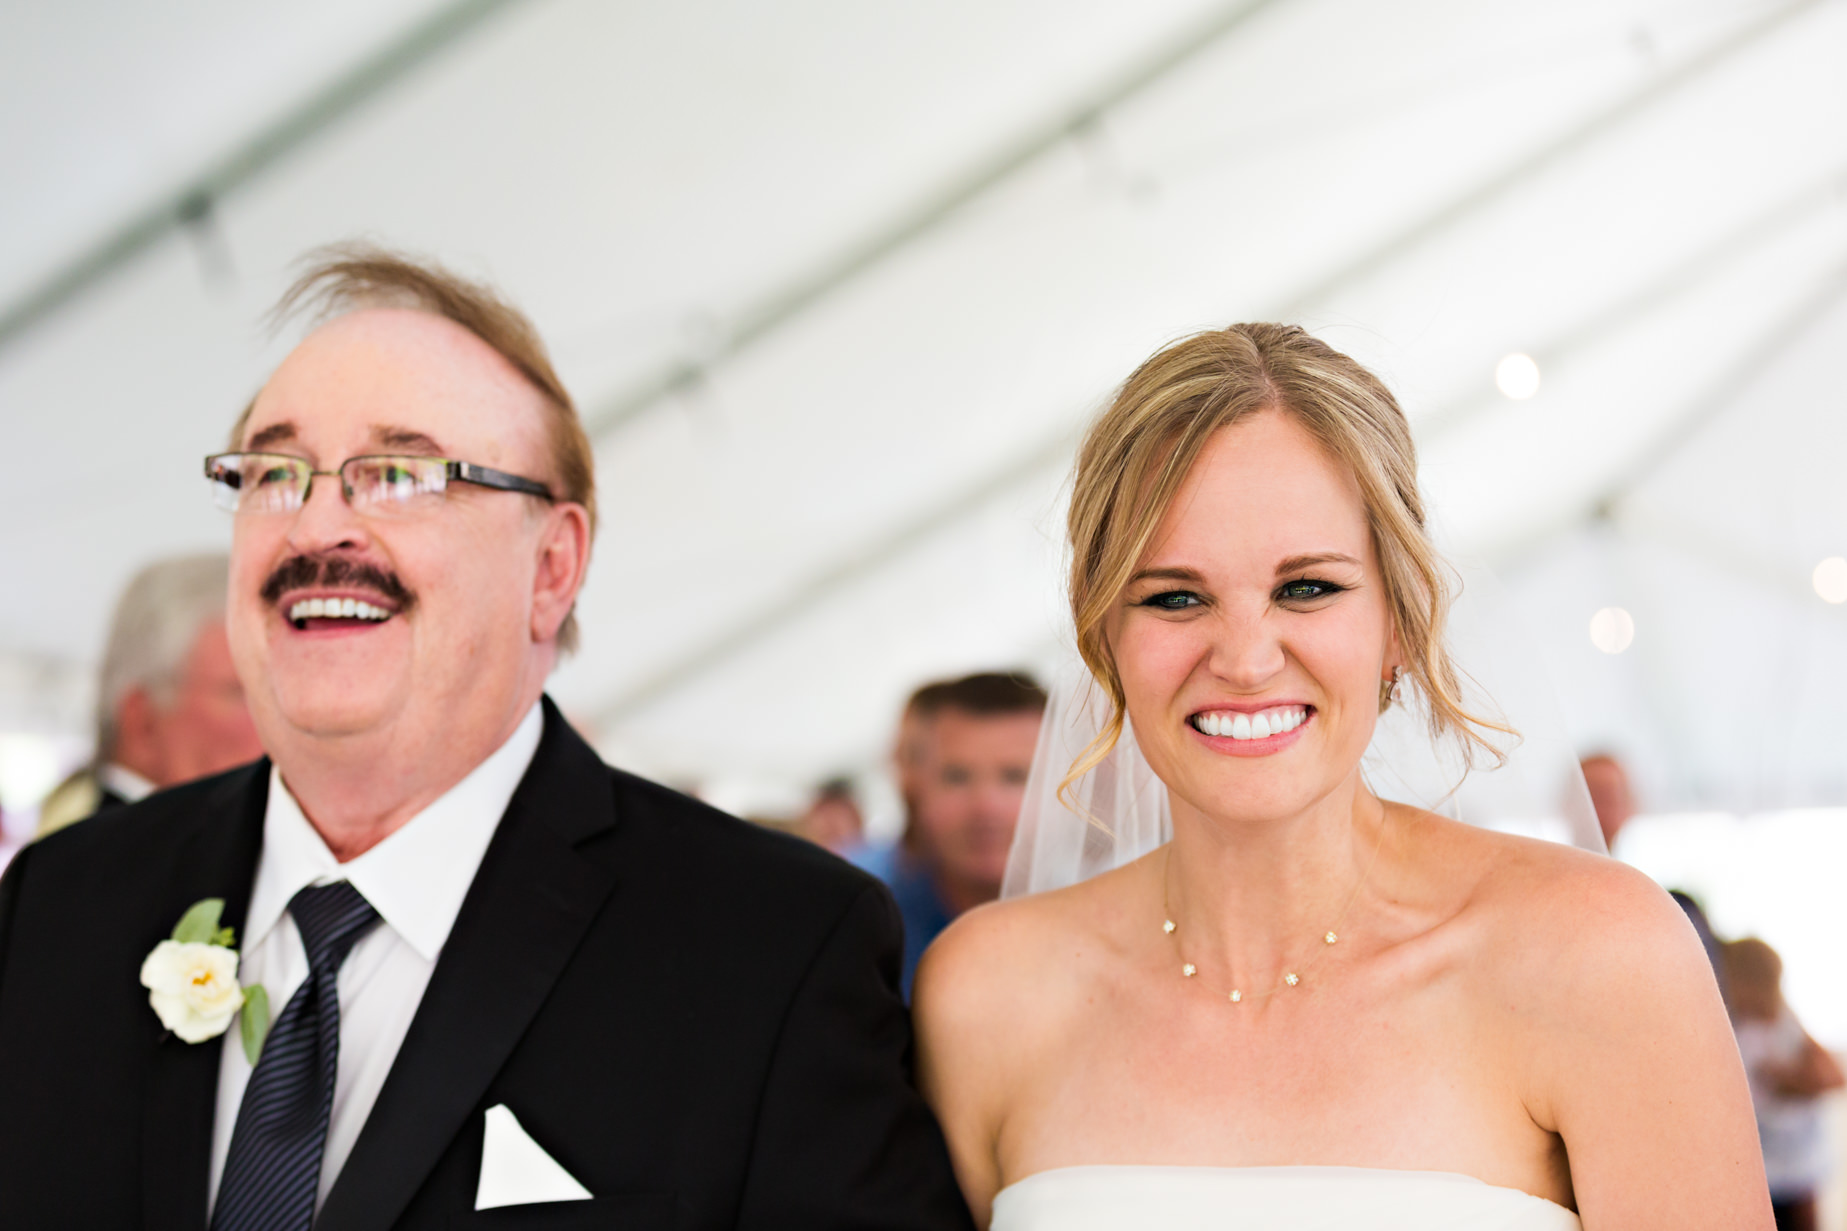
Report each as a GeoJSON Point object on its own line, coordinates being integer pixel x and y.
{"type": "Point", "coordinates": [1269, 1199]}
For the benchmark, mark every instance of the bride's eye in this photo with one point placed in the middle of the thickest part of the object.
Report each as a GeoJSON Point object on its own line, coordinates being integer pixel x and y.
{"type": "Point", "coordinates": [1306, 590]}
{"type": "Point", "coordinates": [1172, 600]}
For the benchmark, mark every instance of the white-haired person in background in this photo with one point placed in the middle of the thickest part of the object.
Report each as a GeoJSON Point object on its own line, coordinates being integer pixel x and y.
{"type": "Point", "coordinates": [169, 707]}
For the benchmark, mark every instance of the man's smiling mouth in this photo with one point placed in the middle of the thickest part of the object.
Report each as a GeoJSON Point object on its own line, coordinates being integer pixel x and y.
{"type": "Point", "coordinates": [291, 589]}
{"type": "Point", "coordinates": [342, 609]}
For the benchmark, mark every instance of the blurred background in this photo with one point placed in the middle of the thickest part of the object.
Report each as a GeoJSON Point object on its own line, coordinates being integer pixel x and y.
{"type": "Point", "coordinates": [838, 284]}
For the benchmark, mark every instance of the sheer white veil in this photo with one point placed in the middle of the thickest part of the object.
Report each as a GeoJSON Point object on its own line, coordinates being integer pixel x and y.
{"type": "Point", "coordinates": [1121, 810]}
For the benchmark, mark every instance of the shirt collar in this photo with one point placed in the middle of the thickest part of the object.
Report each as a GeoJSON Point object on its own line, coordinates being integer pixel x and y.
{"type": "Point", "coordinates": [417, 877]}
{"type": "Point", "coordinates": [124, 782]}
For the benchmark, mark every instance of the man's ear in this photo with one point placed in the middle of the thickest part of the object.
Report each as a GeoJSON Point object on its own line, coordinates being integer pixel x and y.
{"type": "Point", "coordinates": [563, 558]}
{"type": "Point", "coordinates": [137, 732]}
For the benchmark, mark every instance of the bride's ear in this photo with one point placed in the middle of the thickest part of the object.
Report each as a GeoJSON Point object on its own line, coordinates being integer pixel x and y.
{"type": "Point", "coordinates": [1394, 650]}
{"type": "Point", "coordinates": [1393, 668]}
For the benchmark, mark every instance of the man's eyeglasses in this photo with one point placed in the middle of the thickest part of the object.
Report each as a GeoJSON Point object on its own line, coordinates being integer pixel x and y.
{"type": "Point", "coordinates": [279, 483]}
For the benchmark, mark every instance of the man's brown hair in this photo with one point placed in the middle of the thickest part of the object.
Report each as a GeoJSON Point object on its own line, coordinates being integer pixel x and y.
{"type": "Point", "coordinates": [983, 695]}
{"type": "Point", "coordinates": [347, 277]}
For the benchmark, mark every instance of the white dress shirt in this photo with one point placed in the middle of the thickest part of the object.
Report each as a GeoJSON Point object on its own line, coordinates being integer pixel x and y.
{"type": "Point", "coordinates": [124, 782]}
{"type": "Point", "coordinates": [415, 879]}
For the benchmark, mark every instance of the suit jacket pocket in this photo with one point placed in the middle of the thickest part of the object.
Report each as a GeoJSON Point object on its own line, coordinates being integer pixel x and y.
{"type": "Point", "coordinates": [617, 1212]}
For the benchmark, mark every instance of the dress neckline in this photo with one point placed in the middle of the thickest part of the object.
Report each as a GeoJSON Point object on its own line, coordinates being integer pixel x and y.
{"type": "Point", "coordinates": [1296, 1170]}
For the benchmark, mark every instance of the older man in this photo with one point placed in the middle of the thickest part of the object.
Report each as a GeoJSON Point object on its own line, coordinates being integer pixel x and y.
{"type": "Point", "coordinates": [169, 705]}
{"type": "Point", "coordinates": [496, 972]}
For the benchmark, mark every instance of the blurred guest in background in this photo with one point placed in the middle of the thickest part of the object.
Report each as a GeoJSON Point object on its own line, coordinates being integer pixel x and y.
{"type": "Point", "coordinates": [1789, 1073]}
{"type": "Point", "coordinates": [964, 750]}
{"type": "Point", "coordinates": [1614, 800]}
{"type": "Point", "coordinates": [9, 845]}
{"type": "Point", "coordinates": [169, 707]}
{"type": "Point", "coordinates": [834, 820]}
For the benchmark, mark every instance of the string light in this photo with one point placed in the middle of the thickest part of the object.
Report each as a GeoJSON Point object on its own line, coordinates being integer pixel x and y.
{"type": "Point", "coordinates": [1830, 580]}
{"type": "Point", "coordinates": [1517, 376]}
{"type": "Point", "coordinates": [1612, 630]}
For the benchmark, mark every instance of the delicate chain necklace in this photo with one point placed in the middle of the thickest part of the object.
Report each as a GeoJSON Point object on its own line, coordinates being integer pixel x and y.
{"type": "Point", "coordinates": [1290, 978]}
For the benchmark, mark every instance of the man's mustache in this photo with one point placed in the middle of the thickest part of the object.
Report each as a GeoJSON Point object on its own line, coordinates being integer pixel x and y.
{"type": "Point", "coordinates": [328, 572]}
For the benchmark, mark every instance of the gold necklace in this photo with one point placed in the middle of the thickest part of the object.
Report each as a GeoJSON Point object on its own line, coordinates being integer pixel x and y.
{"type": "Point", "coordinates": [1290, 978]}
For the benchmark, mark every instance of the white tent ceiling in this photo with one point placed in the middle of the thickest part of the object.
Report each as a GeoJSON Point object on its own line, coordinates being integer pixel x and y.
{"type": "Point", "coordinates": [838, 283]}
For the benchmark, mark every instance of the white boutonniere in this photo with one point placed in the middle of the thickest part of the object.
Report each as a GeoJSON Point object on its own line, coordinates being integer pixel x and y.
{"type": "Point", "coordinates": [192, 982]}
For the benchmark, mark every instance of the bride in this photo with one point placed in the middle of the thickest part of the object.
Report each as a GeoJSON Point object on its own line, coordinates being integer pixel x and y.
{"type": "Point", "coordinates": [1313, 1007]}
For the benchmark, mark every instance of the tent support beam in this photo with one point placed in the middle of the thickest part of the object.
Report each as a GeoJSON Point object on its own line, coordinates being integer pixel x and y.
{"type": "Point", "coordinates": [196, 199]}
{"type": "Point", "coordinates": [1679, 430]}
{"type": "Point", "coordinates": [1724, 554]}
{"type": "Point", "coordinates": [790, 301]}
{"type": "Point", "coordinates": [837, 575]}
{"type": "Point", "coordinates": [1496, 186]}
{"type": "Point", "coordinates": [1599, 326]}
{"type": "Point", "coordinates": [1782, 336]}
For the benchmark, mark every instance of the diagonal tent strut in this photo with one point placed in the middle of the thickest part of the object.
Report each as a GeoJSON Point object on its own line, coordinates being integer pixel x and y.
{"type": "Point", "coordinates": [1741, 241]}
{"type": "Point", "coordinates": [1806, 310]}
{"type": "Point", "coordinates": [797, 600]}
{"type": "Point", "coordinates": [790, 301]}
{"type": "Point", "coordinates": [195, 199]}
{"type": "Point", "coordinates": [1494, 187]}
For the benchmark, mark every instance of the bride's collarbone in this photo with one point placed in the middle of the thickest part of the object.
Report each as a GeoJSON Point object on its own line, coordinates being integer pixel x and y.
{"type": "Point", "coordinates": [1331, 1076]}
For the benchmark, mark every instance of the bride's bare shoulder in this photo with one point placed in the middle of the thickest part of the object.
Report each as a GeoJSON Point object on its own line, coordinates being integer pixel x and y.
{"type": "Point", "coordinates": [1536, 883]}
{"type": "Point", "coordinates": [1558, 916]}
{"type": "Point", "coordinates": [1022, 959]}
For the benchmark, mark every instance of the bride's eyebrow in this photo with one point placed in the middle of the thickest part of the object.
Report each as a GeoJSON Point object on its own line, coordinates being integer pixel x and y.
{"type": "Point", "coordinates": [1295, 564]}
{"type": "Point", "coordinates": [1168, 574]}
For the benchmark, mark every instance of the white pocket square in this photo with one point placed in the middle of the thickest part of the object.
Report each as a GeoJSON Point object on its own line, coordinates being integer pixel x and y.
{"type": "Point", "coordinates": [516, 1170]}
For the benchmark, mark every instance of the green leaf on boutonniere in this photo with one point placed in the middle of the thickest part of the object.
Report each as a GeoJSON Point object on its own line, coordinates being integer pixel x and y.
{"type": "Point", "coordinates": [199, 925]}
{"type": "Point", "coordinates": [253, 1022]}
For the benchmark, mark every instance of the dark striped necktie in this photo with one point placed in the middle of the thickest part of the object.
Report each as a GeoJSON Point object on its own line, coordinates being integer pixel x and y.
{"type": "Point", "coordinates": [273, 1170]}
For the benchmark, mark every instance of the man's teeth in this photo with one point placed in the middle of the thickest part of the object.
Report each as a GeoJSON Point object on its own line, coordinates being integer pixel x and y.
{"type": "Point", "coordinates": [1260, 725]}
{"type": "Point", "coordinates": [336, 609]}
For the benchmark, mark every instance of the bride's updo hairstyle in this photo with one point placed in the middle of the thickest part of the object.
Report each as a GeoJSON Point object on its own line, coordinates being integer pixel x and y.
{"type": "Point", "coordinates": [1138, 453]}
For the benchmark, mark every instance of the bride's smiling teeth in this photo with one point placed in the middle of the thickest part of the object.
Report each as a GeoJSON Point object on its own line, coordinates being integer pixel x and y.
{"type": "Point", "coordinates": [334, 609]}
{"type": "Point", "coordinates": [1261, 725]}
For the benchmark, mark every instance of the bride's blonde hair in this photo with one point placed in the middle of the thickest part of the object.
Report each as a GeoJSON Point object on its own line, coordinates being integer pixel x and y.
{"type": "Point", "coordinates": [1139, 451]}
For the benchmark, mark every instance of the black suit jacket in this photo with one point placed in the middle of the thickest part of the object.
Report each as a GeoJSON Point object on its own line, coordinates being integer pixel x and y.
{"type": "Point", "coordinates": [697, 1018]}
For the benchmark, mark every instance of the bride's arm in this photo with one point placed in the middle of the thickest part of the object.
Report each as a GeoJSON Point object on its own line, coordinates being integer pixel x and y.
{"type": "Point", "coordinates": [964, 1046]}
{"type": "Point", "coordinates": [1633, 1061]}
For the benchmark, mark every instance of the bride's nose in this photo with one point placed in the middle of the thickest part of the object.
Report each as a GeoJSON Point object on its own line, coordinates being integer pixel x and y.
{"type": "Point", "coordinates": [1246, 651]}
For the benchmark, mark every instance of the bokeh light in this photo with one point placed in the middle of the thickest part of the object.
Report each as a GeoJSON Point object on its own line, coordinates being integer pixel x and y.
{"type": "Point", "coordinates": [1830, 580]}
{"type": "Point", "coordinates": [1612, 629]}
{"type": "Point", "coordinates": [1517, 376]}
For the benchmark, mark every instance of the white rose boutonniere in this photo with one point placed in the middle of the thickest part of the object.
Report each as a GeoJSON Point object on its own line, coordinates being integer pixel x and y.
{"type": "Point", "coordinates": [192, 982]}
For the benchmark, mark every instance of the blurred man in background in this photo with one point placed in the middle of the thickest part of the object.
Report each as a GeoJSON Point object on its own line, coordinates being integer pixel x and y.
{"type": "Point", "coordinates": [964, 750]}
{"type": "Point", "coordinates": [169, 707]}
{"type": "Point", "coordinates": [1614, 800]}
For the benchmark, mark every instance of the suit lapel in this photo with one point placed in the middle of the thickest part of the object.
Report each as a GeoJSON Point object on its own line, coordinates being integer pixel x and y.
{"type": "Point", "coordinates": [524, 915]}
{"type": "Point", "coordinates": [218, 860]}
